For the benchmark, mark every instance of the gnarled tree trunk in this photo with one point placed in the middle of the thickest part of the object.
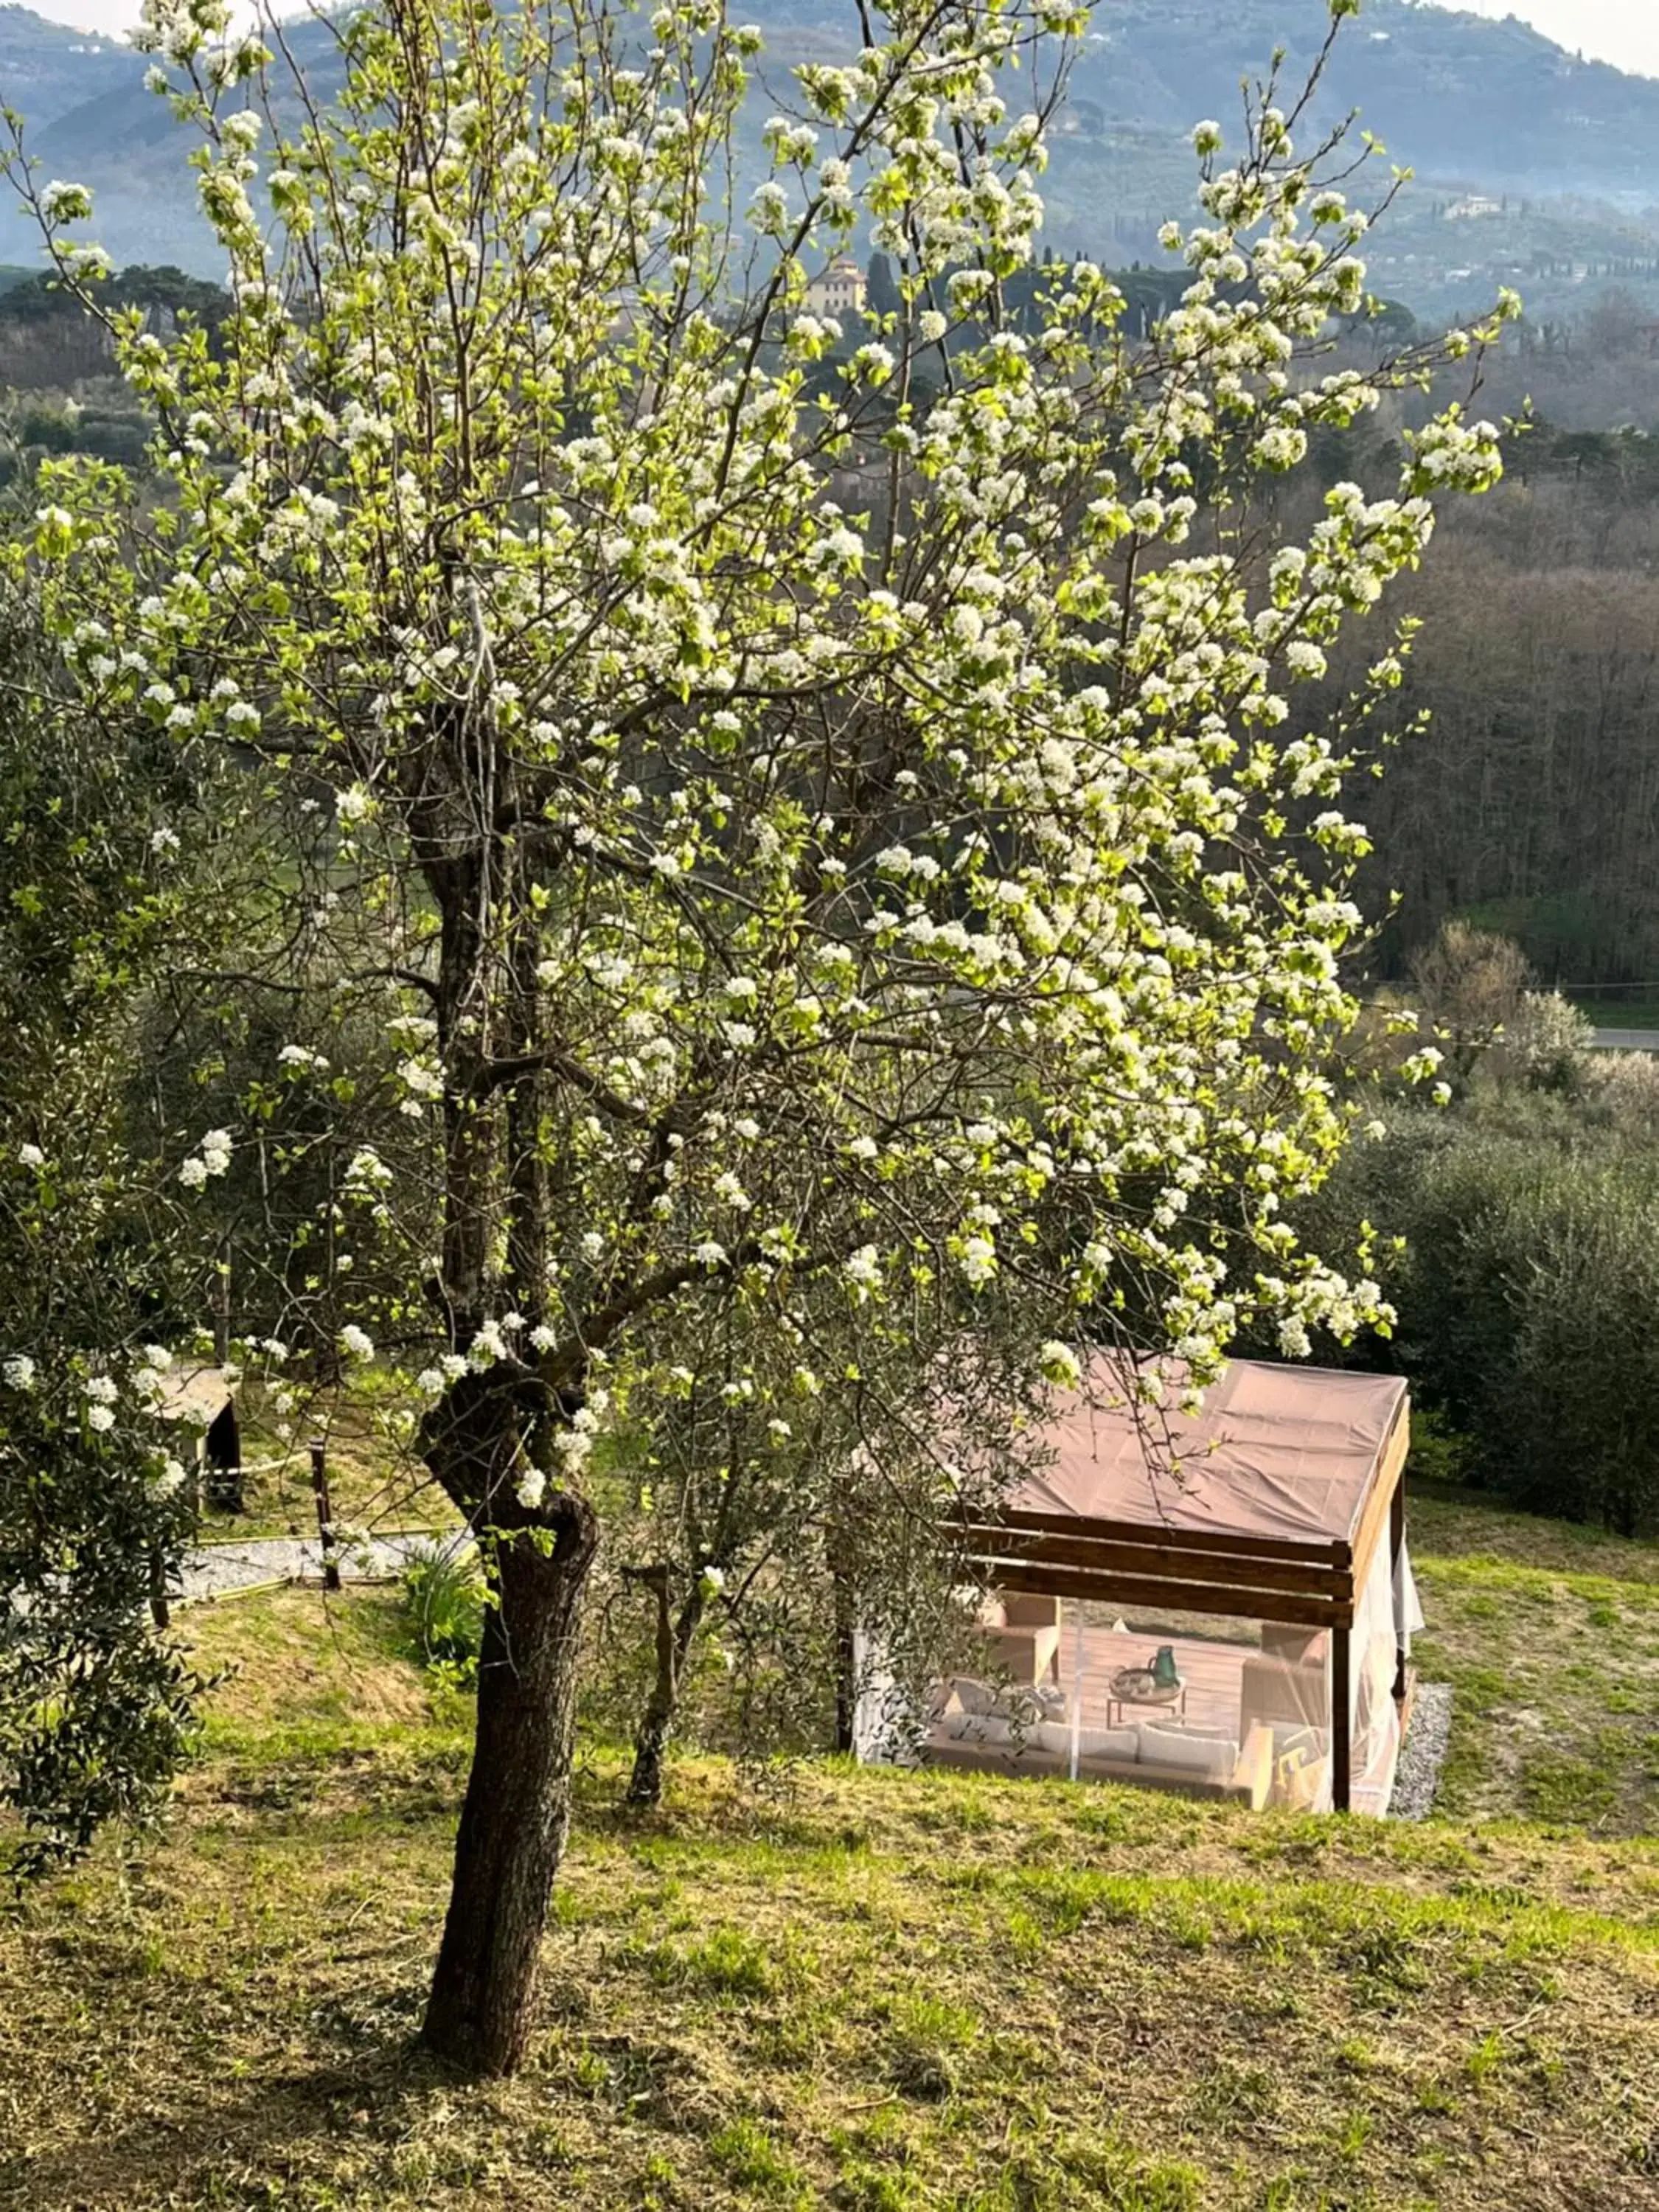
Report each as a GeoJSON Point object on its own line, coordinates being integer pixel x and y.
{"type": "Point", "coordinates": [674, 1637]}
{"type": "Point", "coordinates": [516, 1817]}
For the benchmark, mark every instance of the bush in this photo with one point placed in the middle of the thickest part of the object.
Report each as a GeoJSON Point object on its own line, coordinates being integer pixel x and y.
{"type": "Point", "coordinates": [1528, 1294]}
{"type": "Point", "coordinates": [445, 1594]}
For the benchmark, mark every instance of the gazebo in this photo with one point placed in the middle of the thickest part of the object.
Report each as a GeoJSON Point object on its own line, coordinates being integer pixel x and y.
{"type": "Point", "coordinates": [1258, 1550]}
{"type": "Point", "coordinates": [203, 1400]}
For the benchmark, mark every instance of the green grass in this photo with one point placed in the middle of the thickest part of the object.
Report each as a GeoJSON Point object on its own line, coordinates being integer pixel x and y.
{"type": "Point", "coordinates": [1549, 1636]}
{"type": "Point", "coordinates": [1619, 1013]}
{"type": "Point", "coordinates": [874, 1992]}
{"type": "Point", "coordinates": [300, 1664]}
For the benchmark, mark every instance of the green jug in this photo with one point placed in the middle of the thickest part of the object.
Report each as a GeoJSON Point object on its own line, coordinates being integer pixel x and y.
{"type": "Point", "coordinates": [1164, 1672]}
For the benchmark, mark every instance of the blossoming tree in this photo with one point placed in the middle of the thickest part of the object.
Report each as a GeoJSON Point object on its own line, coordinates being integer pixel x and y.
{"type": "Point", "coordinates": [776, 886]}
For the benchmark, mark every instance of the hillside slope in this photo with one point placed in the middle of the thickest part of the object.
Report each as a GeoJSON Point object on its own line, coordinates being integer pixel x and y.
{"type": "Point", "coordinates": [46, 67]}
{"type": "Point", "coordinates": [1454, 94]}
{"type": "Point", "coordinates": [878, 1992]}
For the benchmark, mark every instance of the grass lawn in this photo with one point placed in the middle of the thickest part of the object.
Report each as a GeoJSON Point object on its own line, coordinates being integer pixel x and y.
{"type": "Point", "coordinates": [1549, 1635]}
{"type": "Point", "coordinates": [875, 1992]}
{"type": "Point", "coordinates": [1613, 1012]}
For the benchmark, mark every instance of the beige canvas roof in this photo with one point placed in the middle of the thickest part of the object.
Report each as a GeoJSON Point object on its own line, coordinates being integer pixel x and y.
{"type": "Point", "coordinates": [1287, 1453]}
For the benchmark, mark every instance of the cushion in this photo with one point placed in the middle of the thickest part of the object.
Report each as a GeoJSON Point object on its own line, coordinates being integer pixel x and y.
{"type": "Point", "coordinates": [1030, 1702]}
{"type": "Point", "coordinates": [1300, 1647]}
{"type": "Point", "coordinates": [1188, 1753]}
{"type": "Point", "coordinates": [973, 1697]}
{"type": "Point", "coordinates": [1020, 1610]}
{"type": "Point", "coordinates": [976, 1728]}
{"type": "Point", "coordinates": [1122, 1744]}
{"type": "Point", "coordinates": [1019, 1704]}
{"type": "Point", "coordinates": [1303, 1742]}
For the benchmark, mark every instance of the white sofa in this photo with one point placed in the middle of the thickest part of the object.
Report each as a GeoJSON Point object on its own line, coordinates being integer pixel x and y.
{"type": "Point", "coordinates": [1001, 1737]}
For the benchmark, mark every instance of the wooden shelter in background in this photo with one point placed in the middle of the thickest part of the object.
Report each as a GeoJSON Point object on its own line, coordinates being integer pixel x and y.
{"type": "Point", "coordinates": [203, 1400]}
{"type": "Point", "coordinates": [1270, 1505]}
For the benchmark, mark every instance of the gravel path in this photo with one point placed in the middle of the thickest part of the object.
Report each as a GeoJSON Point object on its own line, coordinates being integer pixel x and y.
{"type": "Point", "coordinates": [1423, 1754]}
{"type": "Point", "coordinates": [217, 1569]}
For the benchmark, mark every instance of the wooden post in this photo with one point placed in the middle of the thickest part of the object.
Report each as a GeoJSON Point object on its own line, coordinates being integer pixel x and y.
{"type": "Point", "coordinates": [160, 1612]}
{"type": "Point", "coordinates": [1341, 1722]}
{"type": "Point", "coordinates": [1078, 1648]}
{"type": "Point", "coordinates": [1396, 1544]}
{"type": "Point", "coordinates": [325, 1512]}
{"type": "Point", "coordinates": [222, 1306]}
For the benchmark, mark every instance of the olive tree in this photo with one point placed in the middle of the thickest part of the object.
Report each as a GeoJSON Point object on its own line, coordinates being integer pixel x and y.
{"type": "Point", "coordinates": [783, 1531]}
{"type": "Point", "coordinates": [94, 1498]}
{"type": "Point", "coordinates": [783, 891]}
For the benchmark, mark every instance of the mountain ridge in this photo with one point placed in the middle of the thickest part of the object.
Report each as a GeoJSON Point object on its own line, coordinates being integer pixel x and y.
{"type": "Point", "coordinates": [1494, 106]}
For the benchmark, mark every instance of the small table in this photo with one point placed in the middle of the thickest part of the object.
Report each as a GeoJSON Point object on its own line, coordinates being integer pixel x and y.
{"type": "Point", "coordinates": [1152, 1696]}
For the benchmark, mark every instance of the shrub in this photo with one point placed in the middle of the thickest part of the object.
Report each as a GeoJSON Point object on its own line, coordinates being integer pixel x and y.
{"type": "Point", "coordinates": [1527, 1295]}
{"type": "Point", "coordinates": [445, 1594]}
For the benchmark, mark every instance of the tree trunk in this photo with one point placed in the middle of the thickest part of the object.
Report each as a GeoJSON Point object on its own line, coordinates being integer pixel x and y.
{"type": "Point", "coordinates": [846, 1625]}
{"type": "Point", "coordinates": [516, 1817]}
{"type": "Point", "coordinates": [673, 1642]}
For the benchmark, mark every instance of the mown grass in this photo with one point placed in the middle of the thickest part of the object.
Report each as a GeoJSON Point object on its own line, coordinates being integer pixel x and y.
{"type": "Point", "coordinates": [876, 1992]}
{"type": "Point", "coordinates": [1549, 1636]}
{"type": "Point", "coordinates": [299, 1663]}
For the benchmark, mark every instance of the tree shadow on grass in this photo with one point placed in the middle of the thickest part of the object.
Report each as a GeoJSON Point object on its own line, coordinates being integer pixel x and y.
{"type": "Point", "coordinates": [249, 2139]}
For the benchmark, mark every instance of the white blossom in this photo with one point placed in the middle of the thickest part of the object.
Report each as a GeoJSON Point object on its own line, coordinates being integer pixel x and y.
{"type": "Point", "coordinates": [167, 1480]}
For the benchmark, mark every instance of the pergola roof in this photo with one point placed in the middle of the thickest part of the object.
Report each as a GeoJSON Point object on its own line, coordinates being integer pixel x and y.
{"type": "Point", "coordinates": [1268, 1502]}
{"type": "Point", "coordinates": [1287, 1453]}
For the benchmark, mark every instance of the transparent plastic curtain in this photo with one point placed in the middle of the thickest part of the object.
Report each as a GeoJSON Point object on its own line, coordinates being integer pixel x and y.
{"type": "Point", "coordinates": [1286, 1689]}
{"type": "Point", "coordinates": [1373, 1714]}
{"type": "Point", "coordinates": [1408, 1608]}
{"type": "Point", "coordinates": [885, 1724]}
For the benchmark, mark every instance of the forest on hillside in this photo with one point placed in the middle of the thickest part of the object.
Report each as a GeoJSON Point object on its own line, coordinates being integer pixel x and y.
{"type": "Point", "coordinates": [1529, 803]}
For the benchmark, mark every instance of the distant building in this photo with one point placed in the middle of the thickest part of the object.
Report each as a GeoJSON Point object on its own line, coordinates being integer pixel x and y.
{"type": "Point", "coordinates": [837, 290]}
{"type": "Point", "coordinates": [1471, 208]}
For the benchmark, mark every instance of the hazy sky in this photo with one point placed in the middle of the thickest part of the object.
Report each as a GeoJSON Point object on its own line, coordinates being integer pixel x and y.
{"type": "Point", "coordinates": [1622, 31]}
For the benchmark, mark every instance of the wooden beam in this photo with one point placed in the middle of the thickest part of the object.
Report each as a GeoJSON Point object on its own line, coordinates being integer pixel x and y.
{"type": "Point", "coordinates": [1341, 1730]}
{"type": "Point", "coordinates": [1391, 1468]}
{"type": "Point", "coordinates": [1335, 1551]}
{"type": "Point", "coordinates": [1157, 1593]}
{"type": "Point", "coordinates": [988, 1540]}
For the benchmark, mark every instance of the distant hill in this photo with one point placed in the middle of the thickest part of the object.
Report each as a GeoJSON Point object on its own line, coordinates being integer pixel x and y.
{"type": "Point", "coordinates": [1483, 111]}
{"type": "Point", "coordinates": [1452, 93]}
{"type": "Point", "coordinates": [47, 69]}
